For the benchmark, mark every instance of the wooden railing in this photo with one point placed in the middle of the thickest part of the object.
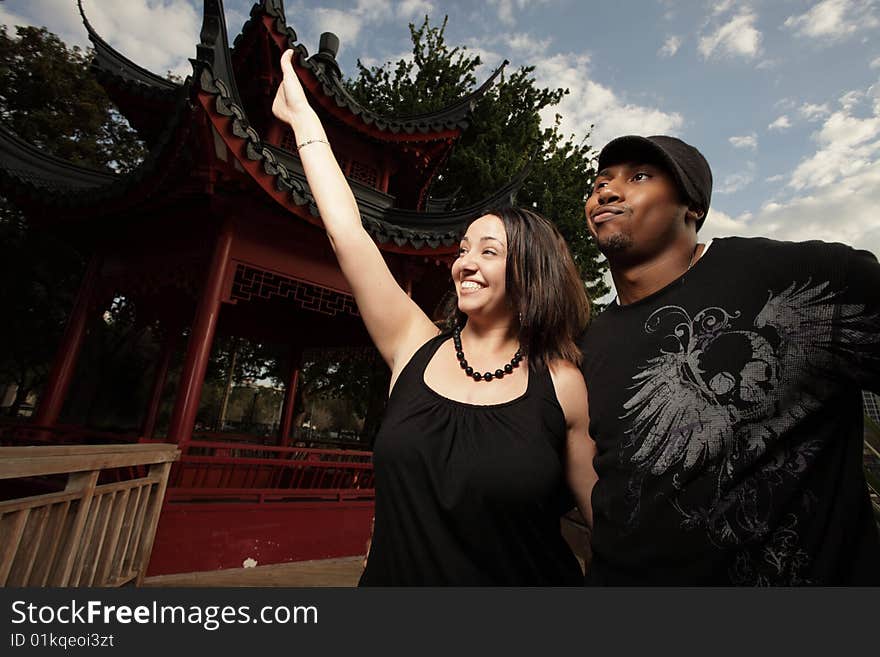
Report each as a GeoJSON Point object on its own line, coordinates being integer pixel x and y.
{"type": "Point", "coordinates": [87, 534]}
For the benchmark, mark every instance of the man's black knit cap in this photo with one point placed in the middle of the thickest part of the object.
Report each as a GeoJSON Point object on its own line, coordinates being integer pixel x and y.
{"type": "Point", "coordinates": [686, 164]}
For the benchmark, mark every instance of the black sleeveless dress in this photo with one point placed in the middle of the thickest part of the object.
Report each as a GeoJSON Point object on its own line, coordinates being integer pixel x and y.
{"type": "Point", "coordinates": [469, 495]}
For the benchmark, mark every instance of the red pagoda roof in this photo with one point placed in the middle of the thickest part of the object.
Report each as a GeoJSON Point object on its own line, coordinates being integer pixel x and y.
{"type": "Point", "coordinates": [179, 135]}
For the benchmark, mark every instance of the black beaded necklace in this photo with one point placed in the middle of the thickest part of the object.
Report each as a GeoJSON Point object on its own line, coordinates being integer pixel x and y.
{"type": "Point", "coordinates": [476, 376]}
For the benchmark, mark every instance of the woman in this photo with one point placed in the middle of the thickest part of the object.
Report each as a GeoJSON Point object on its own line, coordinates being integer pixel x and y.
{"type": "Point", "coordinates": [484, 424]}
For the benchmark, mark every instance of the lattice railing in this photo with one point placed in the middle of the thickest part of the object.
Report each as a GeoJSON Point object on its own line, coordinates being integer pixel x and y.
{"type": "Point", "coordinates": [261, 473]}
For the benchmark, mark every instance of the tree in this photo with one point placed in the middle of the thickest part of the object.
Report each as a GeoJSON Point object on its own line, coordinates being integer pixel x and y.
{"type": "Point", "coordinates": [48, 97]}
{"type": "Point", "coordinates": [506, 130]}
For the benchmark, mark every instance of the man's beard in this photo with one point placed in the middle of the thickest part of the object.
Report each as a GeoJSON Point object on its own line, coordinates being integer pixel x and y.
{"type": "Point", "coordinates": [614, 243]}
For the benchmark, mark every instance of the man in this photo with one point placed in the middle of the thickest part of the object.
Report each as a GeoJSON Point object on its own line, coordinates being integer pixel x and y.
{"type": "Point", "coordinates": [724, 387]}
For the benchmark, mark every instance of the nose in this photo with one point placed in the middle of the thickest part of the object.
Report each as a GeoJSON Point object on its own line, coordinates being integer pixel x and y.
{"type": "Point", "coordinates": [465, 264]}
{"type": "Point", "coordinates": [608, 193]}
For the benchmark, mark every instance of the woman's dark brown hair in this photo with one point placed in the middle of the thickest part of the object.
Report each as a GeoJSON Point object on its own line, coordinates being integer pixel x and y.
{"type": "Point", "coordinates": [543, 288]}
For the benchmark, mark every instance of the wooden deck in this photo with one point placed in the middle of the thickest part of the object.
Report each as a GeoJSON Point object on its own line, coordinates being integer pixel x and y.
{"type": "Point", "coordinates": [342, 572]}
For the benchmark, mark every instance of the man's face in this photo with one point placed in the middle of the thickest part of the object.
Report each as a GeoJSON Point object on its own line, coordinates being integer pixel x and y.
{"type": "Point", "coordinates": [635, 210]}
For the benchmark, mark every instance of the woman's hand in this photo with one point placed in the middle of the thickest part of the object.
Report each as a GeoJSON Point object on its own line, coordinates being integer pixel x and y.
{"type": "Point", "coordinates": [290, 99]}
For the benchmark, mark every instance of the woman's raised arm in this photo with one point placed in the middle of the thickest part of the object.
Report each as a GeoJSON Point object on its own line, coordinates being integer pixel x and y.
{"type": "Point", "coordinates": [395, 323]}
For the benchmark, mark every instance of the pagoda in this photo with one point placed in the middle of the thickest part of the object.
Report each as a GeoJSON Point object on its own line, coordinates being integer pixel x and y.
{"type": "Point", "coordinates": [216, 233]}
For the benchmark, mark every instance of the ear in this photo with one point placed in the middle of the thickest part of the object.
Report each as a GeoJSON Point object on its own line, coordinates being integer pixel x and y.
{"type": "Point", "coordinates": [694, 214]}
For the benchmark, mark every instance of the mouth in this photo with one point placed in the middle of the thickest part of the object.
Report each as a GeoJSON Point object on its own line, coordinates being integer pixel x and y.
{"type": "Point", "coordinates": [605, 213]}
{"type": "Point", "coordinates": [470, 287]}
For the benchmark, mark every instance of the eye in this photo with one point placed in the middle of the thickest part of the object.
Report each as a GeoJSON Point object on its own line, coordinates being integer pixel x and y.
{"type": "Point", "coordinates": [641, 175]}
{"type": "Point", "coordinates": [461, 251]}
{"type": "Point", "coordinates": [489, 252]}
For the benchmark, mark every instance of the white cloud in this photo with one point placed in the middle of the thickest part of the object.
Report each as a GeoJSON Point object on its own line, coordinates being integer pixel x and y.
{"type": "Point", "coordinates": [527, 47]}
{"type": "Point", "coordinates": [737, 181]}
{"type": "Point", "coordinates": [844, 210]}
{"type": "Point", "coordinates": [157, 34]}
{"type": "Point", "coordinates": [768, 64]}
{"type": "Point", "coordinates": [344, 24]}
{"type": "Point", "coordinates": [745, 141]}
{"type": "Point", "coordinates": [415, 9]}
{"type": "Point", "coordinates": [812, 112]}
{"type": "Point", "coordinates": [670, 46]}
{"type": "Point", "coordinates": [831, 20]}
{"type": "Point", "coordinates": [590, 102]}
{"type": "Point", "coordinates": [813, 216]}
{"type": "Point", "coordinates": [832, 194]}
{"type": "Point", "coordinates": [848, 145]}
{"type": "Point", "coordinates": [782, 123]}
{"type": "Point", "coordinates": [506, 8]}
{"type": "Point", "coordinates": [721, 224]}
{"type": "Point", "coordinates": [777, 178]}
{"type": "Point", "coordinates": [875, 63]}
{"type": "Point", "coordinates": [349, 24]}
{"type": "Point", "coordinates": [61, 18]}
{"type": "Point", "coordinates": [737, 37]}
{"type": "Point", "coordinates": [721, 6]}
{"type": "Point", "coordinates": [850, 99]}
{"type": "Point", "coordinates": [374, 8]}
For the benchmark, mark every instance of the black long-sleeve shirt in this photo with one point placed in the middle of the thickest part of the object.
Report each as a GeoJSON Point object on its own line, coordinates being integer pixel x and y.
{"type": "Point", "coordinates": [727, 413]}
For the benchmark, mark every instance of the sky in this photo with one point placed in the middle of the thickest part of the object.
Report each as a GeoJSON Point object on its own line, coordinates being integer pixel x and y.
{"type": "Point", "coordinates": [781, 96]}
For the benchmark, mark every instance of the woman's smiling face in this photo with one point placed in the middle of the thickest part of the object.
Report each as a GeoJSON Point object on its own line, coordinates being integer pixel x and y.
{"type": "Point", "coordinates": [480, 271]}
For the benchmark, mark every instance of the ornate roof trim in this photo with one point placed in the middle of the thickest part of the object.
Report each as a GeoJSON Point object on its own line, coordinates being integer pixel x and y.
{"type": "Point", "coordinates": [325, 70]}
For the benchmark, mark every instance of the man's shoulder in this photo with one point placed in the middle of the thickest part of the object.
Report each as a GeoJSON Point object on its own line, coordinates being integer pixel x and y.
{"type": "Point", "coordinates": [603, 319]}
{"type": "Point", "coordinates": [765, 246]}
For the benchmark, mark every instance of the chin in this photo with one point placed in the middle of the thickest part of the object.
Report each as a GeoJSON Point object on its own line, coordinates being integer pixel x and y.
{"type": "Point", "coordinates": [468, 309]}
{"type": "Point", "coordinates": [614, 243]}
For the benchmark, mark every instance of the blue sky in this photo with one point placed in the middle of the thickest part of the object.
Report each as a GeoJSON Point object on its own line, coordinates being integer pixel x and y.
{"type": "Point", "coordinates": [782, 96]}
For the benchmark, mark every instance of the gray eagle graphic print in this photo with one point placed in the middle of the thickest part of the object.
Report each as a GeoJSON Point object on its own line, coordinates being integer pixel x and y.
{"type": "Point", "coordinates": [709, 408]}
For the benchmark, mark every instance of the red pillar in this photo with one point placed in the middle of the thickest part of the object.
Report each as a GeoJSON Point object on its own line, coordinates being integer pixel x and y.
{"type": "Point", "coordinates": [198, 348]}
{"type": "Point", "coordinates": [289, 398]}
{"type": "Point", "coordinates": [55, 391]}
{"type": "Point", "coordinates": [159, 380]}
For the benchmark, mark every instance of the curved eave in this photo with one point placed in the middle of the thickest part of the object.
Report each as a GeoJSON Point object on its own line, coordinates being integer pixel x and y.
{"type": "Point", "coordinates": [271, 168]}
{"type": "Point", "coordinates": [119, 66]}
{"type": "Point", "coordinates": [456, 219]}
{"type": "Point", "coordinates": [23, 164]}
{"type": "Point", "coordinates": [323, 81]}
{"type": "Point", "coordinates": [453, 117]}
{"type": "Point", "coordinates": [39, 180]}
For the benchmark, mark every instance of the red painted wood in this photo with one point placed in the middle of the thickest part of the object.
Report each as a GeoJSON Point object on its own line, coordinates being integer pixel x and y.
{"type": "Point", "coordinates": [198, 348]}
{"type": "Point", "coordinates": [55, 391]}
{"type": "Point", "coordinates": [159, 379]}
{"type": "Point", "coordinates": [211, 536]}
{"type": "Point", "coordinates": [289, 398]}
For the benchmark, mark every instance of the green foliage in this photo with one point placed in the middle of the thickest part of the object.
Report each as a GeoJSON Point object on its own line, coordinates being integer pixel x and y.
{"type": "Point", "coordinates": [506, 131]}
{"type": "Point", "coordinates": [49, 98]}
{"type": "Point", "coordinates": [356, 378]}
{"type": "Point", "coordinates": [254, 361]}
{"type": "Point", "coordinates": [39, 275]}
